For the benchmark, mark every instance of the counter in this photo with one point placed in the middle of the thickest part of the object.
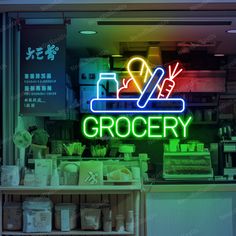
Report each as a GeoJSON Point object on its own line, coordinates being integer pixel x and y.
{"type": "Point", "coordinates": [190, 209]}
{"type": "Point", "coordinates": [172, 188]}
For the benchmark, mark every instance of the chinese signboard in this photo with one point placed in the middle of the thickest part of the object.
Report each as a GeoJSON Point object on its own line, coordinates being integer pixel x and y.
{"type": "Point", "coordinates": [43, 70]}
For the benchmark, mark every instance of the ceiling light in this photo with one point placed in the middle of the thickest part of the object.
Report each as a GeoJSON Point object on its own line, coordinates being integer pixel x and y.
{"type": "Point", "coordinates": [219, 55]}
{"type": "Point", "coordinates": [117, 55]}
{"type": "Point", "coordinates": [87, 32]}
{"type": "Point", "coordinates": [231, 31]}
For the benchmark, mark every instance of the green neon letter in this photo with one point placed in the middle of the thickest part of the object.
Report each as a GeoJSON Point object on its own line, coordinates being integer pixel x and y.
{"type": "Point", "coordinates": [171, 127]}
{"type": "Point", "coordinates": [93, 129]}
{"type": "Point", "coordinates": [134, 127]}
{"type": "Point", "coordinates": [106, 123]}
{"type": "Point", "coordinates": [118, 121]}
{"type": "Point", "coordinates": [185, 125]}
{"type": "Point", "coordinates": [152, 126]}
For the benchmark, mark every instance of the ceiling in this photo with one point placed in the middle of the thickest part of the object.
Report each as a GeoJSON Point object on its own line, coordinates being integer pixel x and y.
{"type": "Point", "coordinates": [118, 34]}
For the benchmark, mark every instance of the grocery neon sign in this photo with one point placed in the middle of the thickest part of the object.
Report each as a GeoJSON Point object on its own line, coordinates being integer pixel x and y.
{"type": "Point", "coordinates": [154, 89]}
{"type": "Point", "coordinates": [145, 103]}
{"type": "Point", "coordinates": [158, 127]}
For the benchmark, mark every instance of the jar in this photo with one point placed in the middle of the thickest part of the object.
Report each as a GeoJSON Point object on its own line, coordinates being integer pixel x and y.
{"type": "Point", "coordinates": [129, 224]}
{"type": "Point", "coordinates": [120, 227]}
{"type": "Point", "coordinates": [71, 174]}
{"type": "Point", "coordinates": [107, 80]}
{"type": "Point", "coordinates": [107, 220]}
{"type": "Point", "coordinates": [65, 216]}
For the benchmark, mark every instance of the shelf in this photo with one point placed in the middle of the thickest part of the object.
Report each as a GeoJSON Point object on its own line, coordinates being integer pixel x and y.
{"type": "Point", "coordinates": [205, 122]}
{"type": "Point", "coordinates": [199, 104]}
{"type": "Point", "coordinates": [173, 188]}
{"type": "Point", "coordinates": [77, 158]}
{"type": "Point", "coordinates": [228, 151]}
{"type": "Point", "coordinates": [227, 116]}
{"type": "Point", "coordinates": [94, 189]}
{"type": "Point", "coordinates": [208, 176]}
{"type": "Point", "coordinates": [74, 232]}
{"type": "Point", "coordinates": [205, 153]}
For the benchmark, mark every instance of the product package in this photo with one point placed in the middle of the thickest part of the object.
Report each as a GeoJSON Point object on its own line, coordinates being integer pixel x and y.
{"type": "Point", "coordinates": [37, 215]}
{"type": "Point", "coordinates": [91, 173]}
{"type": "Point", "coordinates": [12, 216]}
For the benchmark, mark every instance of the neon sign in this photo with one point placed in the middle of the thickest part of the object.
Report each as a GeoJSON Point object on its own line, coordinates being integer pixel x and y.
{"type": "Point", "coordinates": [138, 127]}
{"type": "Point", "coordinates": [145, 103]}
{"type": "Point", "coordinates": [154, 91]}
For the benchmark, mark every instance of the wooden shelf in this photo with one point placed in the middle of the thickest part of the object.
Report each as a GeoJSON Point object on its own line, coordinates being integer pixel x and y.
{"type": "Point", "coordinates": [74, 232]}
{"type": "Point", "coordinates": [95, 189]}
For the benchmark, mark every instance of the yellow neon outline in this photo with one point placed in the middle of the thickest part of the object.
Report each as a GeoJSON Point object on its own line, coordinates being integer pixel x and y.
{"type": "Point", "coordinates": [143, 67]}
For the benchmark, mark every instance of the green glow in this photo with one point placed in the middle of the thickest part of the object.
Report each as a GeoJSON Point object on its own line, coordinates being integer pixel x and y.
{"type": "Point", "coordinates": [153, 127]}
{"type": "Point", "coordinates": [134, 125]}
{"type": "Point", "coordinates": [108, 127]}
{"type": "Point", "coordinates": [85, 127]}
{"type": "Point", "coordinates": [185, 125]}
{"type": "Point", "coordinates": [171, 125]}
{"type": "Point", "coordinates": [120, 135]}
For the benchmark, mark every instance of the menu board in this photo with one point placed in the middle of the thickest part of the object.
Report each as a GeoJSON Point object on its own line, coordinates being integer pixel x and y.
{"type": "Point", "coordinates": [42, 71]}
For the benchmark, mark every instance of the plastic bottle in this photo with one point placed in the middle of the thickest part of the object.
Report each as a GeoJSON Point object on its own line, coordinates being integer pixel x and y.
{"type": "Point", "coordinates": [55, 179]}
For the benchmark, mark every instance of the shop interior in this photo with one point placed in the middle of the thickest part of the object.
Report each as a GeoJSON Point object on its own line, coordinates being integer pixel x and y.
{"type": "Point", "coordinates": [203, 42]}
{"type": "Point", "coordinates": [202, 45]}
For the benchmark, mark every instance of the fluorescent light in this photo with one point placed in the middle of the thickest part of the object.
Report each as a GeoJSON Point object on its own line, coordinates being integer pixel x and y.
{"type": "Point", "coordinates": [231, 31]}
{"type": "Point", "coordinates": [117, 55]}
{"type": "Point", "coordinates": [87, 32]}
{"type": "Point", "coordinates": [219, 55]}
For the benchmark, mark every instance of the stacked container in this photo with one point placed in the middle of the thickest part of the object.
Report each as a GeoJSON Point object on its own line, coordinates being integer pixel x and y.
{"type": "Point", "coordinates": [37, 215]}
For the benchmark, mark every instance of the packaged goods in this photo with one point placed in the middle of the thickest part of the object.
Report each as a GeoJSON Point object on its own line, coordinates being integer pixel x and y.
{"type": "Point", "coordinates": [37, 215]}
{"type": "Point", "coordinates": [65, 216]}
{"type": "Point", "coordinates": [90, 218]}
{"type": "Point", "coordinates": [10, 175]}
{"type": "Point", "coordinates": [12, 216]}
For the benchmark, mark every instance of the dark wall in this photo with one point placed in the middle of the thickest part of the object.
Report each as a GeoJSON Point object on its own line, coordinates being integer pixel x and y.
{"type": "Point", "coordinates": [1, 67]}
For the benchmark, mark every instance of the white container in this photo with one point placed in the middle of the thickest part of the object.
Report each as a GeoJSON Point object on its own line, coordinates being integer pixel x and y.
{"type": "Point", "coordinates": [55, 178]}
{"type": "Point", "coordinates": [41, 180]}
{"type": "Point", "coordinates": [29, 179]}
{"type": "Point", "coordinates": [107, 220]}
{"type": "Point", "coordinates": [90, 218]}
{"type": "Point", "coordinates": [65, 216]}
{"type": "Point", "coordinates": [183, 147]}
{"type": "Point", "coordinates": [37, 215]}
{"type": "Point", "coordinates": [104, 80]}
{"type": "Point", "coordinates": [129, 224]}
{"type": "Point", "coordinates": [136, 173]}
{"type": "Point", "coordinates": [120, 223]}
{"type": "Point", "coordinates": [71, 174]}
{"type": "Point", "coordinates": [200, 147]}
{"type": "Point", "coordinates": [192, 146]}
{"type": "Point", "coordinates": [174, 145]}
{"type": "Point", "coordinates": [10, 175]}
